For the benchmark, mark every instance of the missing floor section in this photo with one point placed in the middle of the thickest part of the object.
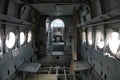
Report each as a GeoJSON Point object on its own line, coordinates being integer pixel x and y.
{"type": "Point", "coordinates": [69, 77]}
{"type": "Point", "coordinates": [78, 77]}
{"type": "Point", "coordinates": [53, 71]}
{"type": "Point", "coordinates": [43, 71]}
{"type": "Point", "coordinates": [61, 71]}
{"type": "Point", "coordinates": [67, 70]}
{"type": "Point", "coordinates": [61, 77]}
{"type": "Point", "coordinates": [56, 72]}
{"type": "Point", "coordinates": [45, 65]}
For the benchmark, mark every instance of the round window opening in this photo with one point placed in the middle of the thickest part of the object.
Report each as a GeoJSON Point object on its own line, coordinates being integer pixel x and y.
{"type": "Point", "coordinates": [84, 37]}
{"type": "Point", "coordinates": [29, 36]}
{"type": "Point", "coordinates": [0, 44]}
{"type": "Point", "coordinates": [90, 37]}
{"type": "Point", "coordinates": [100, 39]}
{"type": "Point", "coordinates": [22, 38]}
{"type": "Point", "coordinates": [10, 40]}
{"type": "Point", "coordinates": [47, 24]}
{"type": "Point", "coordinates": [114, 42]}
{"type": "Point", "coordinates": [57, 23]}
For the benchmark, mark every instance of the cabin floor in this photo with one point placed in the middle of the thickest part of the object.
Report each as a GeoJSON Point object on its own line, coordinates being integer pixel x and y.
{"type": "Point", "coordinates": [54, 72]}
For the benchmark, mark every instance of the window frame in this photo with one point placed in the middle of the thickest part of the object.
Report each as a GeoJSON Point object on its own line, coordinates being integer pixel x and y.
{"type": "Point", "coordinates": [25, 33]}
{"type": "Point", "coordinates": [20, 38]}
{"type": "Point", "coordinates": [7, 48]}
{"type": "Point", "coordinates": [89, 30]}
{"type": "Point", "coordinates": [31, 36]}
{"type": "Point", "coordinates": [109, 31]}
{"type": "Point", "coordinates": [100, 29]}
{"type": "Point", "coordinates": [83, 31]}
{"type": "Point", "coordinates": [1, 47]}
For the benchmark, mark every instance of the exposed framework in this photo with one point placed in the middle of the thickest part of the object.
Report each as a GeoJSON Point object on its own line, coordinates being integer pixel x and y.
{"type": "Point", "coordinates": [56, 72]}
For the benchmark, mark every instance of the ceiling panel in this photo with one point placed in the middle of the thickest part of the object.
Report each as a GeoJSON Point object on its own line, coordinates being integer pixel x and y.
{"type": "Point", "coordinates": [54, 9]}
{"type": "Point", "coordinates": [45, 9]}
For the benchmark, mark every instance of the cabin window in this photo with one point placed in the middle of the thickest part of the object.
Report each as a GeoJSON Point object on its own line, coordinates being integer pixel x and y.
{"type": "Point", "coordinates": [84, 37]}
{"type": "Point", "coordinates": [0, 43]}
{"type": "Point", "coordinates": [22, 38]}
{"type": "Point", "coordinates": [99, 39]}
{"type": "Point", "coordinates": [10, 40]}
{"type": "Point", "coordinates": [90, 37]}
{"type": "Point", "coordinates": [1, 46]}
{"type": "Point", "coordinates": [29, 36]}
{"type": "Point", "coordinates": [57, 23]}
{"type": "Point", "coordinates": [47, 25]}
{"type": "Point", "coordinates": [113, 39]}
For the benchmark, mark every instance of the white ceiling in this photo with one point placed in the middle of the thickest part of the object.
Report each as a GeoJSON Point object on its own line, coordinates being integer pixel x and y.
{"type": "Point", "coordinates": [55, 9]}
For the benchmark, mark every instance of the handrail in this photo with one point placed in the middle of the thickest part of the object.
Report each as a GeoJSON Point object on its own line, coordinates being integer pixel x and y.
{"type": "Point", "coordinates": [100, 23]}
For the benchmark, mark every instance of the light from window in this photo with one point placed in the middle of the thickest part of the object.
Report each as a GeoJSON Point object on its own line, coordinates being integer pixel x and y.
{"type": "Point", "coordinates": [1, 47]}
{"type": "Point", "coordinates": [29, 36]}
{"type": "Point", "coordinates": [114, 42]}
{"type": "Point", "coordinates": [90, 37]}
{"type": "Point", "coordinates": [100, 39]}
{"type": "Point", "coordinates": [57, 23]}
{"type": "Point", "coordinates": [22, 38]}
{"type": "Point", "coordinates": [47, 25]}
{"type": "Point", "coordinates": [10, 40]}
{"type": "Point", "coordinates": [0, 42]}
{"type": "Point", "coordinates": [84, 37]}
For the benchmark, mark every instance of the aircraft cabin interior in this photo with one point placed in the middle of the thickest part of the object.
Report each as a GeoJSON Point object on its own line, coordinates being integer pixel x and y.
{"type": "Point", "coordinates": [59, 39]}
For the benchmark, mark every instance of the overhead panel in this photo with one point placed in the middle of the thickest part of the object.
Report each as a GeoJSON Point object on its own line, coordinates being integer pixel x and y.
{"type": "Point", "coordinates": [55, 9]}
{"type": "Point", "coordinates": [65, 9]}
{"type": "Point", "coordinates": [45, 9]}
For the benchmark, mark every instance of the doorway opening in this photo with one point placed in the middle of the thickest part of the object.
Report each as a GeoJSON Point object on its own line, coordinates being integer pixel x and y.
{"type": "Point", "coordinates": [57, 36]}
